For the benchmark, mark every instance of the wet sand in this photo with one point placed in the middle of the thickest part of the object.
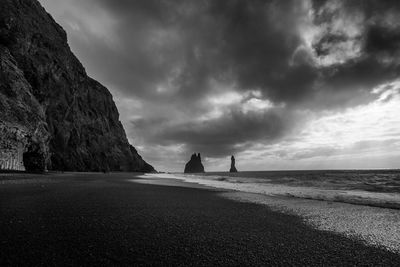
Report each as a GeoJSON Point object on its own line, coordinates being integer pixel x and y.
{"type": "Point", "coordinates": [105, 219]}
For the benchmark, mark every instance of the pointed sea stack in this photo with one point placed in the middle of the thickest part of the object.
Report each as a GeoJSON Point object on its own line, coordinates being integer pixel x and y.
{"type": "Point", "coordinates": [233, 168]}
{"type": "Point", "coordinates": [194, 165]}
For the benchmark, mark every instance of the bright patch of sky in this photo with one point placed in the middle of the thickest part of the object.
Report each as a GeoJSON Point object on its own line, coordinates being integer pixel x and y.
{"type": "Point", "coordinates": [366, 136]}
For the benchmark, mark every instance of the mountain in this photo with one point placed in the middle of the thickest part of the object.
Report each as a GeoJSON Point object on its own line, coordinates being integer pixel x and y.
{"type": "Point", "coordinates": [194, 164]}
{"type": "Point", "coordinates": [51, 113]}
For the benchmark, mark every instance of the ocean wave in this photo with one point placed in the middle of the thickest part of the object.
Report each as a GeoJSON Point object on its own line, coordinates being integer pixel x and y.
{"type": "Point", "coordinates": [304, 190]}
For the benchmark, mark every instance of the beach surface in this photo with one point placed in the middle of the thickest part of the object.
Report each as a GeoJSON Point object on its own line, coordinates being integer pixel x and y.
{"type": "Point", "coordinates": [117, 219]}
{"type": "Point", "coordinates": [359, 204]}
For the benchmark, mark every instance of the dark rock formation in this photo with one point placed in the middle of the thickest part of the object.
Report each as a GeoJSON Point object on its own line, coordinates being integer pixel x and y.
{"type": "Point", "coordinates": [233, 168]}
{"type": "Point", "coordinates": [49, 108]}
{"type": "Point", "coordinates": [23, 128]}
{"type": "Point", "coordinates": [138, 163]}
{"type": "Point", "coordinates": [194, 165]}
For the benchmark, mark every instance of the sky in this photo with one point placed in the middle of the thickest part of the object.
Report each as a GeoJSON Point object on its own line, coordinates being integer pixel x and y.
{"type": "Point", "coordinates": [279, 84]}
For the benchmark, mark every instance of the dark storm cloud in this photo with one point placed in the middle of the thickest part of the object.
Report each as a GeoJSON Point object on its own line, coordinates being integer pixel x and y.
{"type": "Point", "coordinates": [252, 43]}
{"type": "Point", "coordinates": [185, 45]}
{"type": "Point", "coordinates": [218, 137]}
{"type": "Point", "coordinates": [258, 44]}
{"type": "Point", "coordinates": [161, 42]}
{"type": "Point", "coordinates": [378, 42]}
{"type": "Point", "coordinates": [190, 43]}
{"type": "Point", "coordinates": [174, 55]}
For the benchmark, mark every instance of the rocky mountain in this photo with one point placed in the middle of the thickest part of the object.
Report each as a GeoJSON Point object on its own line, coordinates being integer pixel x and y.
{"type": "Point", "coordinates": [51, 113]}
{"type": "Point", "coordinates": [233, 167]}
{"type": "Point", "coordinates": [194, 164]}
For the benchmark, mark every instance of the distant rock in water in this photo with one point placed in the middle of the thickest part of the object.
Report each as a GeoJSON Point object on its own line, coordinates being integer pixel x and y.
{"type": "Point", "coordinates": [194, 165]}
{"type": "Point", "coordinates": [233, 168]}
{"type": "Point", "coordinates": [52, 115]}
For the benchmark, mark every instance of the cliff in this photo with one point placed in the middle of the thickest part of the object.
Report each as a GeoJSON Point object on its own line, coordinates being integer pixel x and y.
{"type": "Point", "coordinates": [194, 164]}
{"type": "Point", "coordinates": [52, 113]}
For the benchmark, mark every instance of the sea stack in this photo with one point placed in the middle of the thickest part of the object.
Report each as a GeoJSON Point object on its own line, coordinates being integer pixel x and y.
{"type": "Point", "coordinates": [233, 168]}
{"type": "Point", "coordinates": [194, 165]}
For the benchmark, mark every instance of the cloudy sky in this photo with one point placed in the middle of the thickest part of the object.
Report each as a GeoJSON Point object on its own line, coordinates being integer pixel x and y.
{"type": "Point", "coordinates": [280, 84]}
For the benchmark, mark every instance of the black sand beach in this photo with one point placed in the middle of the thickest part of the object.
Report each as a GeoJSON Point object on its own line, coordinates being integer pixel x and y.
{"type": "Point", "coordinates": [105, 219]}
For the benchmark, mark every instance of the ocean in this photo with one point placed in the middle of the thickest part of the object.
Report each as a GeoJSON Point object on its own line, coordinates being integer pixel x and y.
{"type": "Point", "coordinates": [380, 188]}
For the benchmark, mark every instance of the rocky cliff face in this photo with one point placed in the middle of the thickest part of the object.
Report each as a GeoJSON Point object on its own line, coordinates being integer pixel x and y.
{"type": "Point", "coordinates": [194, 164]}
{"type": "Point", "coordinates": [24, 136]}
{"type": "Point", "coordinates": [60, 113]}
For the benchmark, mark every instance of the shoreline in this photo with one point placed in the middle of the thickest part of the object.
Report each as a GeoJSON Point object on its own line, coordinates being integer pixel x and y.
{"type": "Point", "coordinates": [106, 219]}
{"type": "Point", "coordinates": [389, 200]}
{"type": "Point", "coordinates": [374, 225]}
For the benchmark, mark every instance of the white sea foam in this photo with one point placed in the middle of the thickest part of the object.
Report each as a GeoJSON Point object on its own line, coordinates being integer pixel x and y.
{"type": "Point", "coordinates": [252, 185]}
